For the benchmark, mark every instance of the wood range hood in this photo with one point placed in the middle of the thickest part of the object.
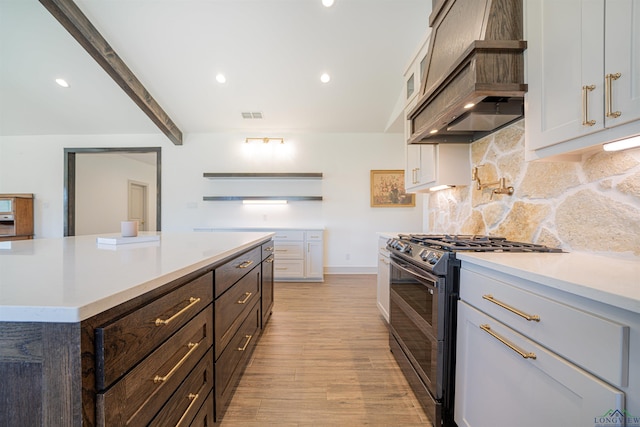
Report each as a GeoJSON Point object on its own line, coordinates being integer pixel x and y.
{"type": "Point", "coordinates": [475, 57]}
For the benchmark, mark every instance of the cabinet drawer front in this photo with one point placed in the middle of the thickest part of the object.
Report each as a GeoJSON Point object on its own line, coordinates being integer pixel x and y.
{"type": "Point", "coordinates": [140, 394]}
{"type": "Point", "coordinates": [230, 366]}
{"type": "Point", "coordinates": [288, 269]}
{"type": "Point", "coordinates": [599, 345]}
{"type": "Point", "coordinates": [313, 235]}
{"type": "Point", "coordinates": [230, 272]}
{"type": "Point", "coordinates": [124, 342]}
{"type": "Point", "coordinates": [289, 250]}
{"type": "Point", "coordinates": [268, 249]}
{"type": "Point", "coordinates": [185, 403]}
{"type": "Point", "coordinates": [232, 307]}
{"type": "Point", "coordinates": [204, 417]}
{"type": "Point", "coordinates": [495, 385]}
{"type": "Point", "coordinates": [290, 235]}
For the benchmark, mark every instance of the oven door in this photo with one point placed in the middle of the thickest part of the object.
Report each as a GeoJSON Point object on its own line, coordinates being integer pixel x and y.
{"type": "Point", "coordinates": [416, 306]}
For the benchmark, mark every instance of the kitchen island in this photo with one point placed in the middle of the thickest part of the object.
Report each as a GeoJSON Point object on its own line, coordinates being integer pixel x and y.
{"type": "Point", "coordinates": [94, 334]}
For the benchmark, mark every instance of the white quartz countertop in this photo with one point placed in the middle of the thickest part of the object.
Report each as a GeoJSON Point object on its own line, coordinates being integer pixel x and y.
{"type": "Point", "coordinates": [73, 278]}
{"type": "Point", "coordinates": [611, 280]}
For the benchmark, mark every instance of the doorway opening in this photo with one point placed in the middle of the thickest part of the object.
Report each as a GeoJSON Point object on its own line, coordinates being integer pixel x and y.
{"type": "Point", "coordinates": [93, 195]}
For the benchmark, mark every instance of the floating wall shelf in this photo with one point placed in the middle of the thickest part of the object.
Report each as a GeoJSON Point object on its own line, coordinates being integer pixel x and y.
{"type": "Point", "coordinates": [278, 175]}
{"type": "Point", "coordinates": [260, 176]}
{"type": "Point", "coordinates": [235, 198]}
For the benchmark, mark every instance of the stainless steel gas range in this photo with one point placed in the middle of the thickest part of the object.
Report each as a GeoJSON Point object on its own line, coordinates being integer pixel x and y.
{"type": "Point", "coordinates": [424, 288]}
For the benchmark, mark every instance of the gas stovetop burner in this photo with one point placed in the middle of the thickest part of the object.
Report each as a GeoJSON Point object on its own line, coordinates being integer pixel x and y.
{"type": "Point", "coordinates": [477, 243]}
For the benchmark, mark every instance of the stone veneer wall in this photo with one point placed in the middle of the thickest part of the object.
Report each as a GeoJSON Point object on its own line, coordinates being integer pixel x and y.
{"type": "Point", "coordinates": [587, 206]}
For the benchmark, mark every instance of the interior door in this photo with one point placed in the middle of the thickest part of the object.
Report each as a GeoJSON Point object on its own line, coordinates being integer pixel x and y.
{"type": "Point", "coordinates": [138, 202]}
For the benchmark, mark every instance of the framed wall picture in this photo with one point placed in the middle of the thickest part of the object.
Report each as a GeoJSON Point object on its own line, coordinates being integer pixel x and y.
{"type": "Point", "coordinates": [387, 190]}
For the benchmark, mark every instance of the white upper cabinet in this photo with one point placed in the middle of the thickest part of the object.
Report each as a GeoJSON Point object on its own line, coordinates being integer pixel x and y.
{"type": "Point", "coordinates": [583, 72]}
{"type": "Point", "coordinates": [430, 165]}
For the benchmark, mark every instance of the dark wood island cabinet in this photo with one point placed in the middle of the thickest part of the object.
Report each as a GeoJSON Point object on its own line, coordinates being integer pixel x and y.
{"type": "Point", "coordinates": [169, 356]}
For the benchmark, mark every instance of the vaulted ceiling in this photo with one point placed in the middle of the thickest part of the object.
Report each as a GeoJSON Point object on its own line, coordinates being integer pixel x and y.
{"type": "Point", "coordinates": [272, 53]}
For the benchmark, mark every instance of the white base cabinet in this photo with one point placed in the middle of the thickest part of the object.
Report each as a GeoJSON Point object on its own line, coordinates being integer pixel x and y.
{"type": "Point", "coordinates": [384, 272]}
{"type": "Point", "coordinates": [528, 354]}
{"type": "Point", "coordinates": [496, 386]}
{"type": "Point", "coordinates": [298, 255]}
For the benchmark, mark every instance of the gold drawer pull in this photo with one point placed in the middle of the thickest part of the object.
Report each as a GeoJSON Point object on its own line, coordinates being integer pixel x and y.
{"type": "Point", "coordinates": [192, 347]}
{"type": "Point", "coordinates": [585, 105]}
{"type": "Point", "coordinates": [270, 260]}
{"type": "Point", "coordinates": [247, 295]}
{"type": "Point", "coordinates": [193, 398]}
{"type": "Point", "coordinates": [269, 249]}
{"type": "Point", "coordinates": [608, 95]}
{"type": "Point", "coordinates": [192, 301]}
{"type": "Point", "coordinates": [244, 347]}
{"type": "Point", "coordinates": [511, 345]}
{"type": "Point", "coordinates": [245, 264]}
{"type": "Point", "coordinates": [529, 317]}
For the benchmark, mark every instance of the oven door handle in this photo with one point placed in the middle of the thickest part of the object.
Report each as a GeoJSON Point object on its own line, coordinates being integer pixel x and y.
{"type": "Point", "coordinates": [422, 275]}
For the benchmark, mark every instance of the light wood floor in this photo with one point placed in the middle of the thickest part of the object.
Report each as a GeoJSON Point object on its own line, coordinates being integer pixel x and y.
{"type": "Point", "coordinates": [324, 360]}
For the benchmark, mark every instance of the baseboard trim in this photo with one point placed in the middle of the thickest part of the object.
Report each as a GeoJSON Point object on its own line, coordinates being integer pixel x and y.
{"type": "Point", "coordinates": [351, 270]}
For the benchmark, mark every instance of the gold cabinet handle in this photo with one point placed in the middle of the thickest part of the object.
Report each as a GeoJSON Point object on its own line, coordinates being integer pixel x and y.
{"type": "Point", "coordinates": [192, 347]}
{"type": "Point", "coordinates": [193, 398]}
{"type": "Point", "coordinates": [244, 347]}
{"type": "Point", "coordinates": [192, 301]}
{"type": "Point", "coordinates": [269, 260]}
{"type": "Point", "coordinates": [608, 95]}
{"type": "Point", "coordinates": [247, 295]}
{"type": "Point", "coordinates": [585, 105]}
{"type": "Point", "coordinates": [504, 341]}
{"type": "Point", "coordinates": [245, 264]}
{"type": "Point", "coordinates": [529, 317]}
{"type": "Point", "coordinates": [269, 249]}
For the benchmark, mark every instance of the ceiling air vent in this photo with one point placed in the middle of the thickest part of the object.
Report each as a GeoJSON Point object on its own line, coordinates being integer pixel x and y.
{"type": "Point", "coordinates": [252, 115]}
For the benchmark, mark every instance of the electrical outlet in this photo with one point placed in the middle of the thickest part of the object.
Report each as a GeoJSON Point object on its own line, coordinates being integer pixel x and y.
{"type": "Point", "coordinates": [264, 217]}
{"type": "Point", "coordinates": [347, 257]}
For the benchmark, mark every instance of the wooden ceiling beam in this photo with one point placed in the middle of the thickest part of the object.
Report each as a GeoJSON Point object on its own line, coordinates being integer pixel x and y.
{"type": "Point", "coordinates": [79, 26]}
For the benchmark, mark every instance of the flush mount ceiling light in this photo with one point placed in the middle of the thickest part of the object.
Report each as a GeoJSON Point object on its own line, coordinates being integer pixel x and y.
{"type": "Point", "coordinates": [265, 140]}
{"type": "Point", "coordinates": [325, 78]}
{"type": "Point", "coordinates": [327, 3]}
{"type": "Point", "coordinates": [220, 78]}
{"type": "Point", "coordinates": [622, 144]}
{"type": "Point", "coordinates": [62, 82]}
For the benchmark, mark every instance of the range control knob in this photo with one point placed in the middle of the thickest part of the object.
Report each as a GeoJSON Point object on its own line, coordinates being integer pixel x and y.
{"type": "Point", "coordinates": [433, 258]}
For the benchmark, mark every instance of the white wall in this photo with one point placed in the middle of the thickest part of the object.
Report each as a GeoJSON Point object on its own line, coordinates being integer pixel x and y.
{"type": "Point", "coordinates": [34, 164]}
{"type": "Point", "coordinates": [102, 191]}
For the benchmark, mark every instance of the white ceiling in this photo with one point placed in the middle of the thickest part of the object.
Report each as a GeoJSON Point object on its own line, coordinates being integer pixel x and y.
{"type": "Point", "coordinates": [271, 51]}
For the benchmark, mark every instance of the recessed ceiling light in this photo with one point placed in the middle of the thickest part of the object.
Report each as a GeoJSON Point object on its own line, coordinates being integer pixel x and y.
{"type": "Point", "coordinates": [325, 78]}
{"type": "Point", "coordinates": [220, 78]}
{"type": "Point", "coordinates": [469, 105]}
{"type": "Point", "coordinates": [327, 3]}
{"type": "Point", "coordinates": [62, 82]}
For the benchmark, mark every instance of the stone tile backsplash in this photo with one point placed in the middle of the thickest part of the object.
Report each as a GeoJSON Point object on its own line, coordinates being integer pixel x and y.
{"type": "Point", "coordinates": [587, 206]}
